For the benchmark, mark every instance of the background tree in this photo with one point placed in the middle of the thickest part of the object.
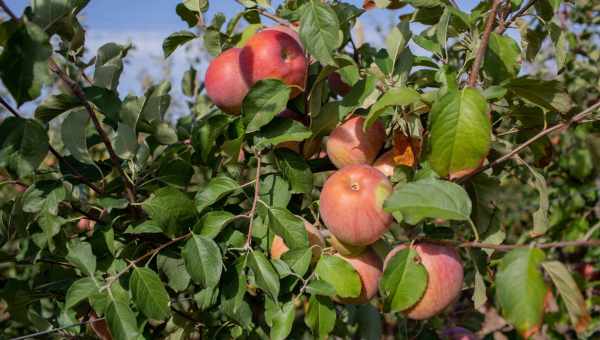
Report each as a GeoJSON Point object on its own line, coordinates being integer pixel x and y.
{"type": "Point", "coordinates": [466, 204]}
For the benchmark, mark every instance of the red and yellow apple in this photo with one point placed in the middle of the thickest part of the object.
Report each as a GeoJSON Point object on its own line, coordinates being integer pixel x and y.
{"type": "Point", "coordinates": [444, 282]}
{"type": "Point", "coordinates": [225, 82]}
{"type": "Point", "coordinates": [86, 225]}
{"type": "Point", "coordinates": [272, 54]}
{"type": "Point", "coordinates": [315, 239]}
{"type": "Point", "coordinates": [349, 144]}
{"type": "Point", "coordinates": [368, 266]}
{"type": "Point", "coordinates": [288, 30]}
{"type": "Point", "coordinates": [351, 204]}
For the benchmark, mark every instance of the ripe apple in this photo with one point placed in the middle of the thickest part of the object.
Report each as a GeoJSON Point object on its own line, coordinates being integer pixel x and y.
{"type": "Point", "coordinates": [351, 204]}
{"type": "Point", "coordinates": [350, 144]}
{"type": "Point", "coordinates": [225, 82]}
{"type": "Point", "coordinates": [445, 279]}
{"type": "Point", "coordinates": [368, 266]}
{"type": "Point", "coordinates": [86, 225]}
{"type": "Point", "coordinates": [315, 239]}
{"type": "Point", "coordinates": [275, 54]}
{"type": "Point", "coordinates": [288, 30]}
{"type": "Point", "coordinates": [385, 163]}
{"type": "Point", "coordinates": [337, 85]}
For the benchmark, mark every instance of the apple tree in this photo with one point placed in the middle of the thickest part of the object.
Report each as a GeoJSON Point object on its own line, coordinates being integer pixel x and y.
{"type": "Point", "coordinates": [315, 183]}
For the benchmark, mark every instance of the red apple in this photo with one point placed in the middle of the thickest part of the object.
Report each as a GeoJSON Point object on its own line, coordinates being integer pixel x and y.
{"type": "Point", "coordinates": [225, 82]}
{"type": "Point", "coordinates": [445, 279]}
{"type": "Point", "coordinates": [386, 163]}
{"type": "Point", "coordinates": [275, 54]}
{"type": "Point", "coordinates": [315, 239]}
{"type": "Point", "coordinates": [289, 31]}
{"type": "Point", "coordinates": [337, 85]}
{"type": "Point", "coordinates": [368, 266]}
{"type": "Point", "coordinates": [86, 225]}
{"type": "Point", "coordinates": [350, 144]}
{"type": "Point", "coordinates": [351, 204]}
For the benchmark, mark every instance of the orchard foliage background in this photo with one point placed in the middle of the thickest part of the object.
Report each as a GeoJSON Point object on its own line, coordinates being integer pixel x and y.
{"type": "Point", "coordinates": [112, 215]}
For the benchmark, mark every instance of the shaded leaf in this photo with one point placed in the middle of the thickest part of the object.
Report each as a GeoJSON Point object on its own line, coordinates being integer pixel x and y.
{"type": "Point", "coordinates": [404, 281]}
{"type": "Point", "coordinates": [203, 260]}
{"type": "Point", "coordinates": [149, 294]}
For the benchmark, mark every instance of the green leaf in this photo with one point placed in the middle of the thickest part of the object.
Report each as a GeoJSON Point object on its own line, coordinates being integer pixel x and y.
{"type": "Point", "coordinates": [281, 130]}
{"type": "Point", "coordinates": [370, 325]}
{"type": "Point", "coordinates": [173, 41]}
{"type": "Point", "coordinates": [320, 31]}
{"type": "Point", "coordinates": [340, 274]}
{"type": "Point", "coordinates": [570, 294]}
{"type": "Point", "coordinates": [547, 94]}
{"type": "Point", "coordinates": [559, 37]}
{"type": "Point", "coordinates": [24, 62]}
{"type": "Point", "coordinates": [121, 321]}
{"type": "Point", "coordinates": [79, 291]}
{"type": "Point", "coordinates": [156, 105]}
{"type": "Point", "coordinates": [404, 281]}
{"type": "Point", "coordinates": [164, 133]}
{"type": "Point", "coordinates": [109, 65]}
{"type": "Point", "coordinates": [540, 216]}
{"type": "Point", "coordinates": [125, 141]}
{"type": "Point", "coordinates": [397, 40]}
{"type": "Point", "coordinates": [265, 99]}
{"type": "Point", "coordinates": [502, 58]}
{"type": "Point", "coordinates": [203, 260]}
{"type": "Point", "coordinates": [196, 5]}
{"type": "Point", "coordinates": [73, 133]}
{"type": "Point", "coordinates": [149, 294]}
{"type": "Point", "coordinates": [169, 207]}
{"type": "Point", "coordinates": [189, 82]}
{"type": "Point", "coordinates": [186, 15]}
{"type": "Point", "coordinates": [402, 96]}
{"type": "Point", "coordinates": [520, 289]}
{"type": "Point", "coordinates": [320, 287]}
{"type": "Point", "coordinates": [283, 322]}
{"type": "Point", "coordinates": [289, 226]}
{"type": "Point", "coordinates": [23, 145]}
{"type": "Point", "coordinates": [54, 105]}
{"type": "Point", "coordinates": [81, 256]}
{"type": "Point", "coordinates": [430, 198]}
{"type": "Point", "coordinates": [174, 270]}
{"type": "Point", "coordinates": [216, 189]}
{"type": "Point", "coordinates": [295, 169]}
{"type": "Point", "coordinates": [51, 226]}
{"type": "Point", "coordinates": [460, 132]}
{"type": "Point", "coordinates": [298, 260]}
{"type": "Point", "coordinates": [356, 98]}
{"type": "Point", "coordinates": [320, 316]}
{"type": "Point", "coordinates": [212, 223]}
{"type": "Point", "coordinates": [265, 275]}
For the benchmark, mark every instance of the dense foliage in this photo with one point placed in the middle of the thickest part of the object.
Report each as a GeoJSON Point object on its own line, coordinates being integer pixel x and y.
{"type": "Point", "coordinates": [118, 222]}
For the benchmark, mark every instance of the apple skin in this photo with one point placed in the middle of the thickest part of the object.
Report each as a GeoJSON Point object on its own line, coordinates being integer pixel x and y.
{"type": "Point", "coordinates": [272, 54]}
{"type": "Point", "coordinates": [86, 225]}
{"type": "Point", "coordinates": [445, 280]}
{"type": "Point", "coordinates": [225, 82]}
{"type": "Point", "coordinates": [337, 85]}
{"type": "Point", "coordinates": [368, 266]}
{"type": "Point", "coordinates": [385, 163]}
{"type": "Point", "coordinates": [315, 239]}
{"type": "Point", "coordinates": [351, 204]}
{"type": "Point", "coordinates": [288, 30]}
{"type": "Point", "coordinates": [349, 144]}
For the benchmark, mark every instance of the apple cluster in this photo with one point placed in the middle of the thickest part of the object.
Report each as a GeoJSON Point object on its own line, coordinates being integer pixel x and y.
{"type": "Point", "coordinates": [352, 198]}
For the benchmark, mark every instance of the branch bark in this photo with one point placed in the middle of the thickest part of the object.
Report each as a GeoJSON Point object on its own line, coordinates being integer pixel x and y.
{"type": "Point", "coordinates": [8, 11]}
{"type": "Point", "coordinates": [574, 120]}
{"type": "Point", "coordinates": [78, 92]}
{"type": "Point", "coordinates": [489, 25]}
{"type": "Point", "coordinates": [56, 154]}
{"type": "Point", "coordinates": [254, 202]}
{"type": "Point", "coordinates": [266, 14]}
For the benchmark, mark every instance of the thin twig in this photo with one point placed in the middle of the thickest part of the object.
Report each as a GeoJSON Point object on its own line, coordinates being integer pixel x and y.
{"type": "Point", "coordinates": [56, 154]}
{"type": "Point", "coordinates": [489, 25]}
{"type": "Point", "coordinates": [266, 14]}
{"type": "Point", "coordinates": [152, 252]}
{"type": "Point", "coordinates": [574, 120]}
{"type": "Point", "coordinates": [50, 331]}
{"type": "Point", "coordinates": [254, 202]}
{"type": "Point", "coordinates": [8, 11]}
{"type": "Point", "coordinates": [517, 14]}
{"type": "Point", "coordinates": [78, 92]}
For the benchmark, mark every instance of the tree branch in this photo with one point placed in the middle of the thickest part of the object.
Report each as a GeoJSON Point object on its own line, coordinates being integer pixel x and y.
{"type": "Point", "coordinates": [54, 330]}
{"type": "Point", "coordinates": [58, 156]}
{"type": "Point", "coordinates": [78, 92]}
{"type": "Point", "coordinates": [489, 25]}
{"type": "Point", "coordinates": [574, 120]}
{"type": "Point", "coordinates": [266, 14]}
{"type": "Point", "coordinates": [254, 202]}
{"type": "Point", "coordinates": [152, 252]}
{"type": "Point", "coordinates": [517, 14]}
{"type": "Point", "coordinates": [8, 11]}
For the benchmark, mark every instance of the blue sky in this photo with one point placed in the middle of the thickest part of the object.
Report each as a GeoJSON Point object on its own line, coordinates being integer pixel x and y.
{"type": "Point", "coordinates": [147, 23]}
